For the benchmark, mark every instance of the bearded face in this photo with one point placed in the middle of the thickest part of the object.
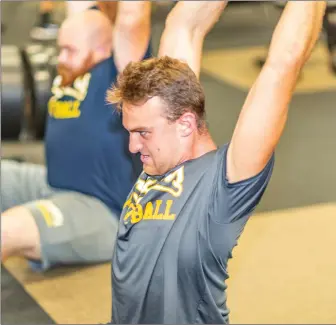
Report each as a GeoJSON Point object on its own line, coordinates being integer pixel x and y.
{"type": "Point", "coordinates": [69, 73]}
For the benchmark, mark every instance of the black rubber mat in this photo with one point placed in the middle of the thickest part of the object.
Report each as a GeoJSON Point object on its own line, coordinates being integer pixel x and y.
{"type": "Point", "coordinates": [17, 306]}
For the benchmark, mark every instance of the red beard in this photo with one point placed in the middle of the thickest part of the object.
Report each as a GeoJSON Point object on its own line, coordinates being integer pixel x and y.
{"type": "Point", "coordinates": [70, 75]}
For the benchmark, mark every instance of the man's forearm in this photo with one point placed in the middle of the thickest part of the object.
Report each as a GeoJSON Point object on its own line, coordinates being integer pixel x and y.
{"type": "Point", "coordinates": [296, 33]}
{"type": "Point", "coordinates": [198, 16]}
{"type": "Point", "coordinates": [133, 13]}
{"type": "Point", "coordinates": [109, 8]}
{"type": "Point", "coordinates": [186, 27]}
{"type": "Point", "coordinates": [133, 22]}
{"type": "Point", "coordinates": [131, 31]}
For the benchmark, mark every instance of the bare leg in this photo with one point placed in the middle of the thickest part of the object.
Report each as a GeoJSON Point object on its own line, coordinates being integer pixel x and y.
{"type": "Point", "coordinates": [19, 234]}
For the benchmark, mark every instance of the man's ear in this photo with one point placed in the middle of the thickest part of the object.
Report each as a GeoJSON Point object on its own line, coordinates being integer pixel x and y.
{"type": "Point", "coordinates": [187, 124]}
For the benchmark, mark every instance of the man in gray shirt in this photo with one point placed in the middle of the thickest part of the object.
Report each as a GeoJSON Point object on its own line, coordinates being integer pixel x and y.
{"type": "Point", "coordinates": [192, 201]}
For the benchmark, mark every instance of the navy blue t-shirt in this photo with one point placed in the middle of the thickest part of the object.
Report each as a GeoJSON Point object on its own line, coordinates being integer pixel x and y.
{"type": "Point", "coordinates": [86, 144]}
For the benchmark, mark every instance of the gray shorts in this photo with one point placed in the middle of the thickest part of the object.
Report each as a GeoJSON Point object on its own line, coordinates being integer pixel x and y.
{"type": "Point", "coordinates": [74, 228]}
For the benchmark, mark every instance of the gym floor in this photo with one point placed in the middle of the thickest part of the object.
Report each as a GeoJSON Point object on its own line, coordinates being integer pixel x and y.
{"type": "Point", "coordinates": [286, 252]}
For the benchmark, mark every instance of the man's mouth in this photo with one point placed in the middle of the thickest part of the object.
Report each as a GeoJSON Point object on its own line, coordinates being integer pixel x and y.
{"type": "Point", "coordinates": [144, 158]}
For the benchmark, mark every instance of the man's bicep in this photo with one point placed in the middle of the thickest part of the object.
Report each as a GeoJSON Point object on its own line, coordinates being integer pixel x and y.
{"type": "Point", "coordinates": [261, 122]}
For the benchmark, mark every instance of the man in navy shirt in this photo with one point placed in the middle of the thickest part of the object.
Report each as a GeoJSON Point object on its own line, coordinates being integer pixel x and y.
{"type": "Point", "coordinates": [190, 204]}
{"type": "Point", "coordinates": [68, 211]}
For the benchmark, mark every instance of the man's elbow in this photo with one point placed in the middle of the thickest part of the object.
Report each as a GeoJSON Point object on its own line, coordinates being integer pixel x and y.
{"type": "Point", "coordinates": [131, 16]}
{"type": "Point", "coordinates": [133, 22]}
{"type": "Point", "coordinates": [182, 19]}
{"type": "Point", "coordinates": [285, 62]}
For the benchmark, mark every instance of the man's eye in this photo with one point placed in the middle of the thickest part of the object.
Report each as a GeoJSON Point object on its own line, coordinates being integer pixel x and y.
{"type": "Point", "coordinates": [143, 133]}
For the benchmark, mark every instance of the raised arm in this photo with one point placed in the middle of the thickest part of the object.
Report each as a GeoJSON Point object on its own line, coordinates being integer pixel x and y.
{"type": "Point", "coordinates": [131, 31]}
{"type": "Point", "coordinates": [186, 27]}
{"type": "Point", "coordinates": [109, 8]}
{"type": "Point", "coordinates": [264, 113]}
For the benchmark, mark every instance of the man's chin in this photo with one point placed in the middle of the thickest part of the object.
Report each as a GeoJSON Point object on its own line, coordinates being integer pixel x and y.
{"type": "Point", "coordinates": [69, 78]}
{"type": "Point", "coordinates": [66, 82]}
{"type": "Point", "coordinates": [150, 170]}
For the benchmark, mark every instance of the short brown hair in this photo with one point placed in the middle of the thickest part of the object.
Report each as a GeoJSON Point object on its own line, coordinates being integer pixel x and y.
{"type": "Point", "coordinates": [169, 79]}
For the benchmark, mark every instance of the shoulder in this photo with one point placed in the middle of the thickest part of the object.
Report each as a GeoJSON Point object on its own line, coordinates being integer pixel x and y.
{"type": "Point", "coordinates": [103, 76]}
{"type": "Point", "coordinates": [105, 69]}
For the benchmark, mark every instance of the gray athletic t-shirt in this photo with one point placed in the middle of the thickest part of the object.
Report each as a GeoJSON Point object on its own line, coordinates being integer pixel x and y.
{"type": "Point", "coordinates": [175, 237]}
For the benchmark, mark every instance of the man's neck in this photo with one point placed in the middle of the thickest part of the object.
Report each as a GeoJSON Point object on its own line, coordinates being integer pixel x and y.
{"type": "Point", "coordinates": [201, 145]}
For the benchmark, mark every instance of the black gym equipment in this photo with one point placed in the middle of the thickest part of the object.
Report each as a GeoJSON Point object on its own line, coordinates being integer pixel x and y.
{"type": "Point", "coordinates": [27, 76]}
{"type": "Point", "coordinates": [36, 58]}
{"type": "Point", "coordinates": [329, 24]}
{"type": "Point", "coordinates": [15, 95]}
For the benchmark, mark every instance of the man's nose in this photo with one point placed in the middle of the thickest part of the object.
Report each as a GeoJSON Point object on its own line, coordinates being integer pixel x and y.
{"type": "Point", "coordinates": [135, 145]}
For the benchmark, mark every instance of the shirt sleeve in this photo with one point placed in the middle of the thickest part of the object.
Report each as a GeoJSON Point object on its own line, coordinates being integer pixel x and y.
{"type": "Point", "coordinates": [233, 201]}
